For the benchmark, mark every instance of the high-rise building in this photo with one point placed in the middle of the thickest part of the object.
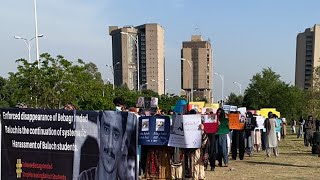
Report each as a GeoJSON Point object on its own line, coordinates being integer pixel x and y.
{"type": "Point", "coordinates": [307, 56]}
{"type": "Point", "coordinates": [196, 68]}
{"type": "Point", "coordinates": [149, 59]}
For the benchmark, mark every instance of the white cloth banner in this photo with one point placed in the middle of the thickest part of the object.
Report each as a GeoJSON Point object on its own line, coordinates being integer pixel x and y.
{"type": "Point", "coordinates": [186, 132]}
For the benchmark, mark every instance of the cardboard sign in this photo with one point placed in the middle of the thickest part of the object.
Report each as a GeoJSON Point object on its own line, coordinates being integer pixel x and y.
{"type": "Point", "coordinates": [233, 108]}
{"type": "Point", "coordinates": [186, 132]}
{"type": "Point", "coordinates": [154, 130]}
{"type": "Point", "coordinates": [210, 123]}
{"type": "Point", "coordinates": [242, 110]}
{"type": "Point", "coordinates": [236, 121]}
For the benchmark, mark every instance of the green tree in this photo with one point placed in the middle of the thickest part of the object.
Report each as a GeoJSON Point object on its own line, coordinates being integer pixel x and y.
{"type": "Point", "coordinates": [266, 90]}
{"type": "Point", "coordinates": [235, 100]}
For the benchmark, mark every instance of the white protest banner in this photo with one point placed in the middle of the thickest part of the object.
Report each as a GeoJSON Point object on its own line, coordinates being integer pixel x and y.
{"type": "Point", "coordinates": [260, 121]}
{"type": "Point", "coordinates": [242, 110]}
{"type": "Point", "coordinates": [186, 132]}
{"type": "Point", "coordinates": [233, 108]}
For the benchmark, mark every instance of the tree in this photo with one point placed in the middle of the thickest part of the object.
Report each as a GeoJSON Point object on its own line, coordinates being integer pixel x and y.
{"type": "Point", "coordinates": [235, 100]}
{"type": "Point", "coordinates": [266, 90]}
{"type": "Point", "coordinates": [312, 95]}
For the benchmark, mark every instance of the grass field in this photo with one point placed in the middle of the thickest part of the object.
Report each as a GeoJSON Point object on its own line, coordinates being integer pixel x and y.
{"type": "Point", "coordinates": [295, 161]}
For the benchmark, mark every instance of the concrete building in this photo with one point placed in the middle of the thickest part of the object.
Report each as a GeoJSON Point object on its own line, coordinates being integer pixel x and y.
{"type": "Point", "coordinates": [150, 60]}
{"type": "Point", "coordinates": [196, 68]}
{"type": "Point", "coordinates": [307, 56]}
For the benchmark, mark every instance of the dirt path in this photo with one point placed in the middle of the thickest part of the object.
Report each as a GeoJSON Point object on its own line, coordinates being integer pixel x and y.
{"type": "Point", "coordinates": [295, 161]}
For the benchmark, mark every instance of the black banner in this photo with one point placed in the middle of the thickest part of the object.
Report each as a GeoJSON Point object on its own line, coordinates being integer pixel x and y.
{"type": "Point", "coordinates": [63, 145]}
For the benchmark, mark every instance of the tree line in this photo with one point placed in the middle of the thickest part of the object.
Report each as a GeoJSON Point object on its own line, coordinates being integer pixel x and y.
{"type": "Point", "coordinates": [59, 81]}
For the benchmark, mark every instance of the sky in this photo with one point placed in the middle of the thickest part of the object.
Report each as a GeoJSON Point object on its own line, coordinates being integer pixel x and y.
{"type": "Point", "coordinates": [246, 35]}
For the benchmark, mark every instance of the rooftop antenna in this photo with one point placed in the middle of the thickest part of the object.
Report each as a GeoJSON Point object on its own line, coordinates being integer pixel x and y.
{"type": "Point", "coordinates": [197, 31]}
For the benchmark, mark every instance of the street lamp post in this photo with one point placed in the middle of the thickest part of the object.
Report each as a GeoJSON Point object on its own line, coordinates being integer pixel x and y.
{"type": "Point", "coordinates": [112, 70]}
{"type": "Point", "coordinates": [191, 67]}
{"type": "Point", "coordinates": [36, 27]}
{"type": "Point", "coordinates": [28, 43]}
{"type": "Point", "coordinates": [238, 85]}
{"type": "Point", "coordinates": [221, 77]}
{"type": "Point", "coordinates": [136, 41]}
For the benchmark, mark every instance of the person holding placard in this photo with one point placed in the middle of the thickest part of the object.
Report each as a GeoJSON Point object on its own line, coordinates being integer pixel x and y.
{"type": "Point", "coordinates": [250, 125]}
{"type": "Point", "coordinates": [237, 142]}
{"type": "Point", "coordinates": [222, 153]}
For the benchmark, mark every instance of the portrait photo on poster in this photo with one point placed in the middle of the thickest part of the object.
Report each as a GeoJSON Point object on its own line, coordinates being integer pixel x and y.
{"type": "Point", "coordinates": [117, 148]}
{"type": "Point", "coordinates": [145, 125]}
{"type": "Point", "coordinates": [242, 118]}
{"type": "Point", "coordinates": [154, 102]}
{"type": "Point", "coordinates": [160, 124]}
{"type": "Point", "coordinates": [140, 102]}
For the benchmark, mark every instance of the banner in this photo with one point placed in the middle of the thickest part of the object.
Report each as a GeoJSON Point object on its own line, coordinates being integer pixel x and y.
{"type": "Point", "coordinates": [242, 110]}
{"type": "Point", "coordinates": [236, 121]}
{"type": "Point", "coordinates": [210, 123]}
{"type": "Point", "coordinates": [186, 132]}
{"type": "Point", "coordinates": [63, 145]}
{"type": "Point", "coordinates": [154, 130]}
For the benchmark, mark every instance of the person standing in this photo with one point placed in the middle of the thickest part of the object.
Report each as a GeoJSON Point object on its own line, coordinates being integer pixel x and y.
{"type": "Point", "coordinates": [283, 128]}
{"type": "Point", "coordinates": [221, 137]}
{"type": "Point", "coordinates": [250, 125]}
{"type": "Point", "coordinates": [293, 126]}
{"type": "Point", "coordinates": [272, 143]}
{"type": "Point", "coordinates": [301, 125]}
{"type": "Point", "coordinates": [310, 128]}
{"type": "Point", "coordinates": [237, 143]}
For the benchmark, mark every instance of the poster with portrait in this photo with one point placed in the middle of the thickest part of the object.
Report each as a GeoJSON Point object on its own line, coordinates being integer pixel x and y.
{"type": "Point", "coordinates": [235, 122]}
{"type": "Point", "coordinates": [140, 103]}
{"type": "Point", "coordinates": [186, 132]}
{"type": "Point", "coordinates": [260, 122]}
{"type": "Point", "coordinates": [210, 123]}
{"type": "Point", "coordinates": [60, 144]}
{"type": "Point", "coordinates": [154, 130]}
{"type": "Point", "coordinates": [154, 102]}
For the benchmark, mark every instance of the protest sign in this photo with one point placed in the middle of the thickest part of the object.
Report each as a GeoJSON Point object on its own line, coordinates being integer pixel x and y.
{"type": "Point", "coordinates": [226, 108]}
{"type": "Point", "coordinates": [154, 130]}
{"type": "Point", "coordinates": [242, 110]}
{"type": "Point", "coordinates": [186, 132]}
{"type": "Point", "coordinates": [233, 108]}
{"type": "Point", "coordinates": [260, 122]}
{"type": "Point", "coordinates": [60, 144]}
{"type": "Point", "coordinates": [210, 123]}
{"type": "Point", "coordinates": [236, 121]}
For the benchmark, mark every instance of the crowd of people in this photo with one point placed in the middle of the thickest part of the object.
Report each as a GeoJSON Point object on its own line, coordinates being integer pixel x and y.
{"type": "Point", "coordinates": [180, 163]}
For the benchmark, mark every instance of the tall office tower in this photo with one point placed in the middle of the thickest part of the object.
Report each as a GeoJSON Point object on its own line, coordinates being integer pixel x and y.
{"type": "Point", "coordinates": [196, 68]}
{"type": "Point", "coordinates": [307, 56]}
{"type": "Point", "coordinates": [149, 59]}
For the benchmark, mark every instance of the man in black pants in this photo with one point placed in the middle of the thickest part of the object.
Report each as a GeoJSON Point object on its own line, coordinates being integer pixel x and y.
{"type": "Point", "coordinates": [237, 142]}
{"type": "Point", "coordinates": [212, 150]}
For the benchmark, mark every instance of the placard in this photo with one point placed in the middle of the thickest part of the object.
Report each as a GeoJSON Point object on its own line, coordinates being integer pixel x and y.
{"type": "Point", "coordinates": [154, 130]}
{"type": "Point", "coordinates": [260, 122]}
{"type": "Point", "coordinates": [63, 145]}
{"type": "Point", "coordinates": [186, 132]}
{"type": "Point", "coordinates": [236, 121]}
{"type": "Point", "coordinates": [210, 123]}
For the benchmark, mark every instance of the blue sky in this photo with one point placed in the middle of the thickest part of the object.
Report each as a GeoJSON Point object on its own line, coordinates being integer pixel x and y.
{"type": "Point", "coordinates": [246, 35]}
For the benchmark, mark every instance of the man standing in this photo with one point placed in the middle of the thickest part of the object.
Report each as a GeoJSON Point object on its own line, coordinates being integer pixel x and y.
{"type": "Point", "coordinates": [112, 141]}
{"type": "Point", "coordinates": [309, 127]}
{"type": "Point", "coordinates": [272, 144]}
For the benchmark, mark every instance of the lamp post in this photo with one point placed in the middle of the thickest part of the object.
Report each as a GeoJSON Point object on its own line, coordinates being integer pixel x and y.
{"type": "Point", "coordinates": [36, 27]}
{"type": "Point", "coordinates": [28, 43]}
{"type": "Point", "coordinates": [112, 70]}
{"type": "Point", "coordinates": [142, 86]}
{"type": "Point", "coordinates": [238, 85]}
{"type": "Point", "coordinates": [136, 41]}
{"type": "Point", "coordinates": [191, 67]}
{"type": "Point", "coordinates": [221, 77]}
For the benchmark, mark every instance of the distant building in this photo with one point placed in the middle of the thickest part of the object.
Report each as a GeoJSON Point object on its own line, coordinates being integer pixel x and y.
{"type": "Point", "coordinates": [197, 61]}
{"type": "Point", "coordinates": [307, 56]}
{"type": "Point", "coordinates": [150, 38]}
